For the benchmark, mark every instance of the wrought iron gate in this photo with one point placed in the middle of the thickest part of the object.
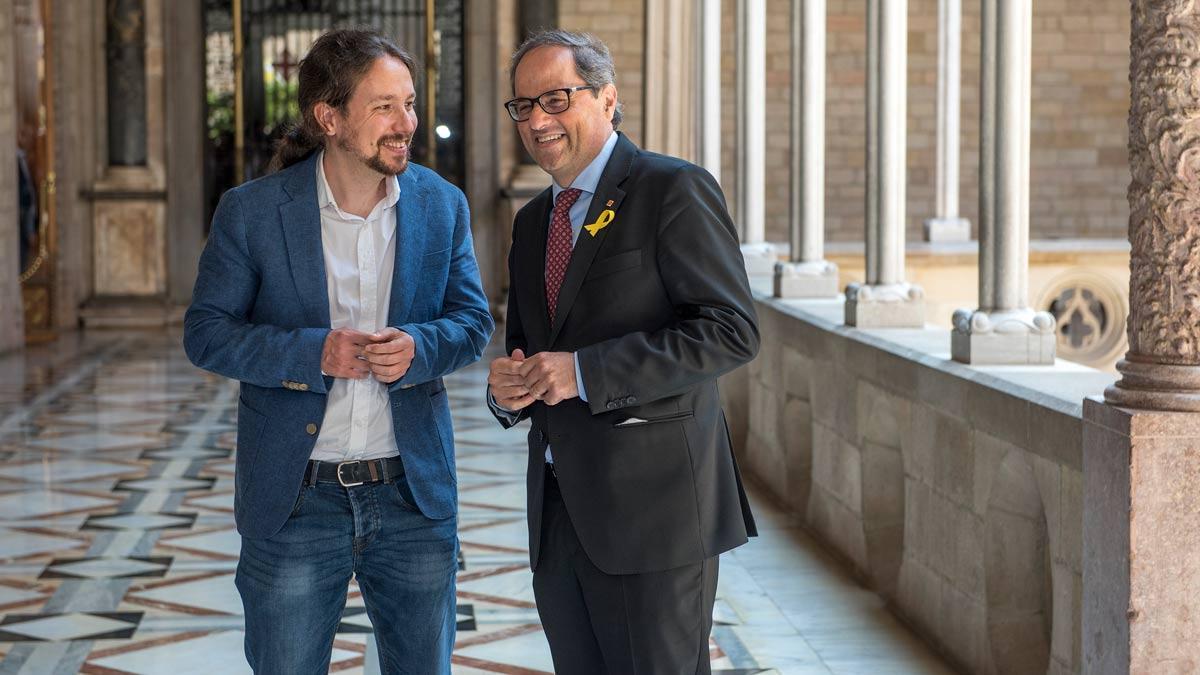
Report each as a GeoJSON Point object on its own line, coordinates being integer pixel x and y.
{"type": "Point", "coordinates": [251, 106]}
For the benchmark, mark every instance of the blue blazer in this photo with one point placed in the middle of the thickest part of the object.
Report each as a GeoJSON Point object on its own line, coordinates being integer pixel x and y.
{"type": "Point", "coordinates": [260, 314]}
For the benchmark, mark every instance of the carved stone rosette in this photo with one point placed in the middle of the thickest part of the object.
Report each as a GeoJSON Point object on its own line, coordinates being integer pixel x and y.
{"type": "Point", "coordinates": [1160, 370]}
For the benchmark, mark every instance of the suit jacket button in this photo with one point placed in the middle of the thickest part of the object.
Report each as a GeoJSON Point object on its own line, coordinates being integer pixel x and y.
{"type": "Point", "coordinates": [311, 428]}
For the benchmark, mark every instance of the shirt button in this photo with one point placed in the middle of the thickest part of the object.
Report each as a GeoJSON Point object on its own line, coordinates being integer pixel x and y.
{"type": "Point", "coordinates": [311, 428]}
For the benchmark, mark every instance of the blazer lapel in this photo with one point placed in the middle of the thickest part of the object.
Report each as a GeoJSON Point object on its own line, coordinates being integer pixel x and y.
{"type": "Point", "coordinates": [530, 269]}
{"type": "Point", "coordinates": [301, 222]}
{"type": "Point", "coordinates": [410, 248]}
{"type": "Point", "coordinates": [608, 196]}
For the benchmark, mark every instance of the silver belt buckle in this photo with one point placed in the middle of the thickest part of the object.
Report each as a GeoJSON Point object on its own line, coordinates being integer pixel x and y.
{"type": "Point", "coordinates": [341, 480]}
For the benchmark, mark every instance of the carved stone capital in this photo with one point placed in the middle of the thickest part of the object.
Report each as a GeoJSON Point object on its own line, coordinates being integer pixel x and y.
{"type": "Point", "coordinates": [1164, 218]}
{"type": "Point", "coordinates": [814, 279]}
{"type": "Point", "coordinates": [1016, 336]}
{"type": "Point", "coordinates": [900, 305]}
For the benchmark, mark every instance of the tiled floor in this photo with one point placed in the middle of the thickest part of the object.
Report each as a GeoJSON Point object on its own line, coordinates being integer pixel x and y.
{"type": "Point", "coordinates": [117, 545]}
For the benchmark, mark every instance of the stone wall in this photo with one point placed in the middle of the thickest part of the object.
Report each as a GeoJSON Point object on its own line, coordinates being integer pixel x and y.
{"type": "Point", "coordinates": [954, 491]}
{"type": "Point", "coordinates": [621, 24]}
{"type": "Point", "coordinates": [11, 328]}
{"type": "Point", "coordinates": [1079, 162]}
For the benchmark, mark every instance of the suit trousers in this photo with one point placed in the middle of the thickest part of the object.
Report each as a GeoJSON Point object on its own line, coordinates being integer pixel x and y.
{"type": "Point", "coordinates": [618, 624]}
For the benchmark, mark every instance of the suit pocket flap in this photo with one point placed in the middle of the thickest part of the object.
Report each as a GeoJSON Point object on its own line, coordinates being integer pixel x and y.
{"type": "Point", "coordinates": [614, 263]}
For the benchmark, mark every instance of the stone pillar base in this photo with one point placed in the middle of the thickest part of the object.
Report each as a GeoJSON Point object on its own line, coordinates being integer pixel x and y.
{"type": "Point", "coordinates": [899, 305]}
{"type": "Point", "coordinates": [947, 229]}
{"type": "Point", "coordinates": [1141, 578]}
{"type": "Point", "coordinates": [1019, 336]}
{"type": "Point", "coordinates": [816, 279]}
{"type": "Point", "coordinates": [760, 259]}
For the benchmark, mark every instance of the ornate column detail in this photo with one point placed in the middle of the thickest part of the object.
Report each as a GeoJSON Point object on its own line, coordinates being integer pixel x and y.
{"type": "Point", "coordinates": [1004, 329]}
{"type": "Point", "coordinates": [886, 300]}
{"type": "Point", "coordinates": [1160, 369]}
{"type": "Point", "coordinates": [807, 274]}
{"type": "Point", "coordinates": [1141, 587]}
{"type": "Point", "coordinates": [947, 225]}
{"type": "Point", "coordinates": [752, 136]}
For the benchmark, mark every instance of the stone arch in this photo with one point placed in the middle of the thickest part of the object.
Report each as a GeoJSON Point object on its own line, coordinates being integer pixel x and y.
{"type": "Point", "coordinates": [1018, 581]}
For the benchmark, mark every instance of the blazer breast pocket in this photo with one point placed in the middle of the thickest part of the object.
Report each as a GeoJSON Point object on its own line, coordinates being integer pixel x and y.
{"type": "Point", "coordinates": [614, 263]}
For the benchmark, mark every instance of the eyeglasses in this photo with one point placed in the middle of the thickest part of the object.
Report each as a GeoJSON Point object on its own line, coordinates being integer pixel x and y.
{"type": "Point", "coordinates": [553, 102]}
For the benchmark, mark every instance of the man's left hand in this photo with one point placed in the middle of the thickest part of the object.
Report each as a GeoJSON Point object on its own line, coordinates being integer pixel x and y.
{"type": "Point", "coordinates": [390, 354]}
{"type": "Point", "coordinates": [550, 376]}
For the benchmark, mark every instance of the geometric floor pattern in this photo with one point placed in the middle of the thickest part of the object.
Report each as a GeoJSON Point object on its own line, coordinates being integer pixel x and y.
{"type": "Point", "coordinates": [118, 548]}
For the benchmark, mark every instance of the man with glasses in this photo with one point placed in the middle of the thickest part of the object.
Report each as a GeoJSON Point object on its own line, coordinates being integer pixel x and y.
{"type": "Point", "coordinates": [628, 298]}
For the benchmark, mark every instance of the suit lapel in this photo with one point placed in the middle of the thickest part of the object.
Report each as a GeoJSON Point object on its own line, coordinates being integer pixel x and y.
{"type": "Point", "coordinates": [410, 248]}
{"type": "Point", "coordinates": [301, 222]}
{"type": "Point", "coordinates": [608, 196]}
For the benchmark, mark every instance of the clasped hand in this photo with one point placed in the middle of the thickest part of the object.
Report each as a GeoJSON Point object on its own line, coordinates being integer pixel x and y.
{"type": "Point", "coordinates": [355, 355]}
{"type": "Point", "coordinates": [517, 381]}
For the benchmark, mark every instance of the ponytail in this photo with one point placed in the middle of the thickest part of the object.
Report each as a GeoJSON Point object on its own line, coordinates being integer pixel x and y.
{"type": "Point", "coordinates": [297, 144]}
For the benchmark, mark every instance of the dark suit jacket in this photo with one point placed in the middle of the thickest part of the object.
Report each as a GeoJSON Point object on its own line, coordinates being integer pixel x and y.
{"type": "Point", "coordinates": [656, 305]}
{"type": "Point", "coordinates": [260, 314]}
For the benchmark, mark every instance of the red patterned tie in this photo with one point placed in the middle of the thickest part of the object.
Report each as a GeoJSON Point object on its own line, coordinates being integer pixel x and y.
{"type": "Point", "coordinates": [558, 246]}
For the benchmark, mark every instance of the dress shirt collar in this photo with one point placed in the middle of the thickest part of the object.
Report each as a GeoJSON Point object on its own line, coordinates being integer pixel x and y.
{"type": "Point", "coordinates": [589, 178]}
{"type": "Point", "coordinates": [325, 194]}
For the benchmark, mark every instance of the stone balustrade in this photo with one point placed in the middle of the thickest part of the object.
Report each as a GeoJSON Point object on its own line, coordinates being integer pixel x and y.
{"type": "Point", "coordinates": [956, 491]}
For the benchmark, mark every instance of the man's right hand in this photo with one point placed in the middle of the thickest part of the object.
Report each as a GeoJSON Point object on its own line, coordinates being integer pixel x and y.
{"type": "Point", "coordinates": [342, 355]}
{"type": "Point", "coordinates": [507, 385]}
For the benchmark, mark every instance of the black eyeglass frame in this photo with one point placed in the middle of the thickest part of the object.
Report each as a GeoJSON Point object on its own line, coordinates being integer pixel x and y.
{"type": "Point", "coordinates": [510, 105]}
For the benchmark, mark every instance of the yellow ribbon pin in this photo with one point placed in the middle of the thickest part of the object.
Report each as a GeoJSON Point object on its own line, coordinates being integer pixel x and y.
{"type": "Point", "coordinates": [606, 217]}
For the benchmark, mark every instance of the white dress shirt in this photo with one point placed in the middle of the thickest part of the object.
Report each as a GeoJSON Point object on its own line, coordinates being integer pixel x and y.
{"type": "Point", "coordinates": [360, 256]}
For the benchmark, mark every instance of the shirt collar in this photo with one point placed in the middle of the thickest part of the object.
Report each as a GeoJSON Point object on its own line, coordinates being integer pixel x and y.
{"type": "Point", "coordinates": [325, 194]}
{"type": "Point", "coordinates": [589, 178]}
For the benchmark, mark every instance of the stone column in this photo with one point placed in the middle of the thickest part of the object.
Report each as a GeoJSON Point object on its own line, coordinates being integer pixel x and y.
{"type": "Point", "coordinates": [1004, 329]}
{"type": "Point", "coordinates": [12, 333]}
{"type": "Point", "coordinates": [807, 274]}
{"type": "Point", "coordinates": [947, 225]}
{"type": "Point", "coordinates": [1141, 462]}
{"type": "Point", "coordinates": [752, 136]}
{"type": "Point", "coordinates": [710, 86]}
{"type": "Point", "coordinates": [886, 300]}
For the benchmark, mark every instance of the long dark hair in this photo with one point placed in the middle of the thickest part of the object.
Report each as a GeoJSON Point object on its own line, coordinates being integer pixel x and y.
{"type": "Point", "coordinates": [330, 71]}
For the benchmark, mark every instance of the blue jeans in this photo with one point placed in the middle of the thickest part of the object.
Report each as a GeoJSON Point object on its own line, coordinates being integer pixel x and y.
{"type": "Point", "coordinates": [293, 585]}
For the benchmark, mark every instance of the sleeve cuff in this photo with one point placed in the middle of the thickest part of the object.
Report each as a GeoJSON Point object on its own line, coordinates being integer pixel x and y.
{"type": "Point", "coordinates": [579, 379]}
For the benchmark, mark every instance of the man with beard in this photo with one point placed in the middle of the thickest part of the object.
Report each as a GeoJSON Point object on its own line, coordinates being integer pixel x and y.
{"type": "Point", "coordinates": [628, 298]}
{"type": "Point", "coordinates": [339, 291]}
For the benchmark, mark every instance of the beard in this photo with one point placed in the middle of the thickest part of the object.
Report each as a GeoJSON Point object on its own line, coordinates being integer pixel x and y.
{"type": "Point", "coordinates": [376, 162]}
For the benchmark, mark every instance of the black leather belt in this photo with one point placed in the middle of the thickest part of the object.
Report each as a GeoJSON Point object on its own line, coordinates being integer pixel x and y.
{"type": "Point", "coordinates": [350, 474]}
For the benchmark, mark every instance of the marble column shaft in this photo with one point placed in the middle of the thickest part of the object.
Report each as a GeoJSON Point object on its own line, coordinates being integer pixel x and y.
{"type": "Point", "coordinates": [751, 152]}
{"type": "Point", "coordinates": [807, 274]}
{"type": "Point", "coordinates": [947, 225]}
{"type": "Point", "coordinates": [808, 131]}
{"type": "Point", "coordinates": [752, 137]}
{"type": "Point", "coordinates": [1004, 329]}
{"type": "Point", "coordinates": [710, 87]}
{"type": "Point", "coordinates": [886, 299]}
{"type": "Point", "coordinates": [891, 158]}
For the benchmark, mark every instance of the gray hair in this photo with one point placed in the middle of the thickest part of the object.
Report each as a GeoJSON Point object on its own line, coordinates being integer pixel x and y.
{"type": "Point", "coordinates": [592, 60]}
